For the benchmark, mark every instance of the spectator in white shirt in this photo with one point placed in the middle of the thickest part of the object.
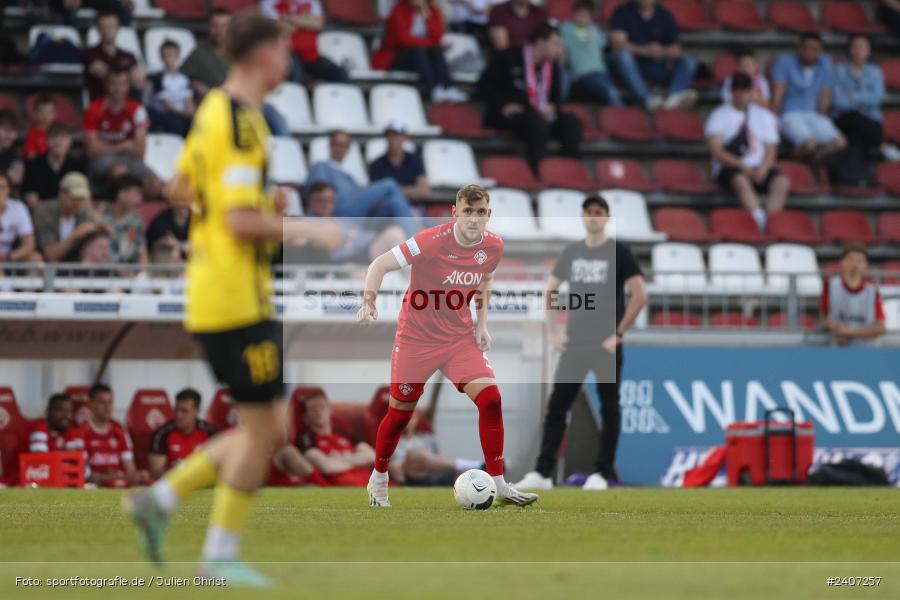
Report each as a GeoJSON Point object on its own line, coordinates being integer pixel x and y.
{"type": "Point", "coordinates": [746, 63]}
{"type": "Point", "coordinates": [16, 231]}
{"type": "Point", "coordinates": [172, 106]}
{"type": "Point", "coordinates": [743, 140]}
{"type": "Point", "coordinates": [471, 16]}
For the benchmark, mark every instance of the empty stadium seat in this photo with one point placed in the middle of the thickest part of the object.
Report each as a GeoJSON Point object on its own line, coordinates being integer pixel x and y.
{"type": "Point", "coordinates": [54, 32]}
{"type": "Point", "coordinates": [352, 12]}
{"type": "Point", "coordinates": [676, 319]}
{"type": "Point", "coordinates": [559, 213]}
{"type": "Point", "coordinates": [378, 147]}
{"type": "Point", "coordinates": [183, 9]}
{"type": "Point", "coordinates": [149, 410]}
{"type": "Point", "coordinates": [389, 101]}
{"type": "Point", "coordinates": [783, 260]}
{"type": "Point", "coordinates": [678, 267]}
{"type": "Point", "coordinates": [512, 215]}
{"type": "Point", "coordinates": [347, 49]}
{"type": "Point", "coordinates": [589, 130]}
{"type": "Point", "coordinates": [681, 177]}
{"type": "Point", "coordinates": [341, 106]}
{"type": "Point", "coordinates": [848, 17]}
{"type": "Point", "coordinates": [561, 10]}
{"type": "Point", "coordinates": [733, 320]}
{"type": "Point", "coordinates": [682, 225]}
{"type": "Point", "coordinates": [221, 413]}
{"type": "Point", "coordinates": [510, 171]}
{"type": "Point", "coordinates": [735, 268]}
{"type": "Point", "coordinates": [627, 123]}
{"type": "Point", "coordinates": [154, 38]}
{"type": "Point", "coordinates": [889, 227]}
{"type": "Point", "coordinates": [631, 221]}
{"type": "Point", "coordinates": [735, 225]}
{"type": "Point", "coordinates": [462, 47]}
{"type": "Point", "coordinates": [888, 175]}
{"type": "Point", "coordinates": [723, 66]}
{"type": "Point", "coordinates": [144, 10]}
{"type": "Point", "coordinates": [890, 272]}
{"type": "Point", "coordinates": [450, 163]}
{"type": "Point", "coordinates": [66, 111]}
{"type": "Point", "coordinates": [679, 125]}
{"type": "Point", "coordinates": [353, 163]}
{"type": "Point", "coordinates": [891, 69]}
{"type": "Point", "coordinates": [286, 162]}
{"type": "Point", "coordinates": [559, 171]}
{"type": "Point", "coordinates": [780, 320]}
{"type": "Point", "coordinates": [739, 15]}
{"type": "Point", "coordinates": [292, 101]}
{"type": "Point", "coordinates": [609, 7]}
{"type": "Point", "coordinates": [624, 173]}
{"type": "Point", "coordinates": [792, 16]}
{"type": "Point", "coordinates": [458, 119]}
{"type": "Point", "coordinates": [690, 15]}
{"type": "Point", "coordinates": [161, 154]}
{"type": "Point", "coordinates": [847, 226]}
{"type": "Point", "coordinates": [127, 40]}
{"type": "Point", "coordinates": [892, 125]}
{"type": "Point", "coordinates": [13, 436]}
{"type": "Point", "coordinates": [149, 211]}
{"type": "Point", "coordinates": [892, 314]}
{"type": "Point", "coordinates": [801, 178]}
{"type": "Point", "coordinates": [794, 226]}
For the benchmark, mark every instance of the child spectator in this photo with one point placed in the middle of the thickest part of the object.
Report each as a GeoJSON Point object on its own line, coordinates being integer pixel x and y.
{"type": "Point", "coordinates": [36, 137]}
{"type": "Point", "coordinates": [127, 244]}
{"type": "Point", "coordinates": [584, 43]}
{"type": "Point", "coordinates": [746, 63]}
{"type": "Point", "coordinates": [43, 173]}
{"type": "Point", "coordinates": [16, 230]}
{"type": "Point", "coordinates": [850, 304]}
{"type": "Point", "coordinates": [172, 105]}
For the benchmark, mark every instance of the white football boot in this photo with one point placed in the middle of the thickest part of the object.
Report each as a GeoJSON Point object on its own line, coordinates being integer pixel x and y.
{"type": "Point", "coordinates": [510, 495]}
{"type": "Point", "coordinates": [378, 494]}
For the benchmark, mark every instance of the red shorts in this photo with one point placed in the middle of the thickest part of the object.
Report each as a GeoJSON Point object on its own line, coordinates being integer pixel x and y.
{"type": "Point", "coordinates": [413, 364]}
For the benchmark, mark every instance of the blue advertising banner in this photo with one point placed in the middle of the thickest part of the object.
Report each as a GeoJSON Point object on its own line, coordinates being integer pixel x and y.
{"type": "Point", "coordinates": [676, 403]}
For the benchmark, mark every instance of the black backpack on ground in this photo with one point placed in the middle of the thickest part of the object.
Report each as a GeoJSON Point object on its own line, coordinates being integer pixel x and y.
{"type": "Point", "coordinates": [848, 472]}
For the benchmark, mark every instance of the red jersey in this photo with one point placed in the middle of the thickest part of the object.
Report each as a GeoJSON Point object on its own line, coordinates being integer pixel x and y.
{"type": "Point", "coordinates": [175, 444]}
{"type": "Point", "coordinates": [445, 278]}
{"type": "Point", "coordinates": [335, 444]}
{"type": "Point", "coordinates": [106, 450]}
{"type": "Point", "coordinates": [111, 126]}
{"type": "Point", "coordinates": [303, 41]}
{"type": "Point", "coordinates": [43, 439]}
{"type": "Point", "coordinates": [35, 142]}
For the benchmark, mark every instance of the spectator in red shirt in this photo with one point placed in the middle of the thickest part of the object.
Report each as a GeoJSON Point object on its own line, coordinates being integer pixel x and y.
{"type": "Point", "coordinates": [107, 447]}
{"type": "Point", "coordinates": [51, 433]}
{"type": "Point", "coordinates": [115, 130]}
{"type": "Point", "coordinates": [36, 138]}
{"type": "Point", "coordinates": [412, 42]}
{"type": "Point", "coordinates": [306, 18]}
{"type": "Point", "coordinates": [106, 57]}
{"type": "Point", "coordinates": [175, 440]}
{"type": "Point", "coordinates": [511, 24]}
{"type": "Point", "coordinates": [850, 304]}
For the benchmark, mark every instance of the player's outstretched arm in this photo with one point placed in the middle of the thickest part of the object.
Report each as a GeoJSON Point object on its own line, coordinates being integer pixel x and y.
{"type": "Point", "coordinates": [385, 263]}
{"type": "Point", "coordinates": [250, 224]}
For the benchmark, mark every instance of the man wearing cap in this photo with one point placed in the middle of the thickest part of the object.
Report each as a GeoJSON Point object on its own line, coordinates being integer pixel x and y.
{"type": "Point", "coordinates": [62, 224]}
{"type": "Point", "coordinates": [406, 168]}
{"type": "Point", "coordinates": [743, 141]}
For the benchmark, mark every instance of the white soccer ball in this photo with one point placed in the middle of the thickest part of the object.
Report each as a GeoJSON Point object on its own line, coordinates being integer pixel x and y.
{"type": "Point", "coordinates": [475, 490]}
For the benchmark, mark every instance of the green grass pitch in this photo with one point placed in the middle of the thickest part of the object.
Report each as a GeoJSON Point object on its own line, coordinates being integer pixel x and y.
{"type": "Point", "coordinates": [624, 543]}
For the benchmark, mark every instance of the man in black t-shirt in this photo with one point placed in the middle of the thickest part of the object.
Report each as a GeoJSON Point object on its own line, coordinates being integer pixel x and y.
{"type": "Point", "coordinates": [598, 271]}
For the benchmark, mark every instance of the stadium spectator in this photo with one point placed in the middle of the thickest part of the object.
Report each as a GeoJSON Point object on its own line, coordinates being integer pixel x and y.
{"type": "Point", "coordinates": [55, 429]}
{"type": "Point", "coordinates": [646, 49]}
{"type": "Point", "coordinates": [173, 224]}
{"type": "Point", "coordinates": [69, 8]}
{"type": "Point", "coordinates": [523, 95]}
{"type": "Point", "coordinates": [471, 16]}
{"type": "Point", "coordinates": [584, 43]}
{"type": "Point", "coordinates": [856, 99]}
{"type": "Point", "coordinates": [107, 447]}
{"type": "Point", "coordinates": [43, 173]}
{"type": "Point", "coordinates": [404, 167]}
{"type": "Point", "coordinates": [418, 460]}
{"type": "Point", "coordinates": [360, 243]}
{"type": "Point", "coordinates": [889, 13]}
{"type": "Point", "coordinates": [337, 457]}
{"type": "Point", "coordinates": [62, 225]}
{"type": "Point", "coordinates": [412, 42]}
{"type": "Point", "coordinates": [172, 103]}
{"type": "Point", "coordinates": [743, 141]}
{"type": "Point", "coordinates": [36, 142]}
{"type": "Point", "coordinates": [206, 66]}
{"type": "Point", "coordinates": [127, 240]}
{"type": "Point", "coordinates": [115, 130]}
{"type": "Point", "coordinates": [801, 95]}
{"type": "Point", "coordinates": [175, 440]}
{"type": "Point", "coordinates": [106, 57]}
{"type": "Point", "coordinates": [746, 63]}
{"type": "Point", "coordinates": [16, 230]}
{"type": "Point", "coordinates": [511, 24]}
{"type": "Point", "coordinates": [306, 19]}
{"type": "Point", "coordinates": [380, 199]}
{"type": "Point", "coordinates": [850, 304]}
{"type": "Point", "coordinates": [96, 249]}
{"type": "Point", "coordinates": [10, 160]}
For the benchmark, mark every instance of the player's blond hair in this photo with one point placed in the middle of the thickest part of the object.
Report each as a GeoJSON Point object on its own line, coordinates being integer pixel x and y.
{"type": "Point", "coordinates": [472, 193]}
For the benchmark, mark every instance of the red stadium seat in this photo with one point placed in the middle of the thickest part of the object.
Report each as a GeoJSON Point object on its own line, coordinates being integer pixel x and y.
{"type": "Point", "coordinates": [347, 418]}
{"type": "Point", "coordinates": [233, 6]}
{"type": "Point", "coordinates": [675, 318]}
{"type": "Point", "coordinates": [150, 409]}
{"type": "Point", "coordinates": [792, 16]}
{"type": "Point", "coordinates": [682, 225]}
{"type": "Point", "coordinates": [13, 436]}
{"type": "Point", "coordinates": [892, 125]}
{"type": "Point", "coordinates": [458, 119]}
{"type": "Point", "coordinates": [221, 414]}
{"type": "Point", "coordinates": [681, 177]}
{"type": "Point", "coordinates": [8, 102]}
{"type": "Point", "coordinates": [66, 111]}
{"type": "Point", "coordinates": [794, 226]}
{"type": "Point", "coordinates": [888, 175]}
{"type": "Point", "coordinates": [739, 15]}
{"type": "Point", "coordinates": [561, 10]}
{"type": "Point", "coordinates": [149, 210]}
{"type": "Point", "coordinates": [801, 178]}
{"type": "Point", "coordinates": [733, 319]}
{"type": "Point", "coordinates": [79, 396]}
{"type": "Point", "coordinates": [679, 125]}
{"type": "Point", "coordinates": [183, 9]}
{"type": "Point", "coordinates": [627, 174]}
{"type": "Point", "coordinates": [690, 15]}
{"type": "Point", "coordinates": [589, 130]}
{"type": "Point", "coordinates": [609, 7]}
{"type": "Point", "coordinates": [890, 272]}
{"type": "Point", "coordinates": [858, 192]}
{"type": "Point", "coordinates": [847, 226]}
{"type": "Point", "coordinates": [848, 17]}
{"type": "Point", "coordinates": [353, 12]}
{"type": "Point", "coordinates": [780, 321]}
{"type": "Point", "coordinates": [735, 225]}
{"type": "Point", "coordinates": [510, 171]}
{"type": "Point", "coordinates": [889, 227]}
{"type": "Point", "coordinates": [564, 172]}
{"type": "Point", "coordinates": [626, 123]}
{"type": "Point", "coordinates": [891, 69]}
{"type": "Point", "coordinates": [723, 66]}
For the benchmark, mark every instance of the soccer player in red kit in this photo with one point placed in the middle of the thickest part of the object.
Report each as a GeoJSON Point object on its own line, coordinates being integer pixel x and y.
{"type": "Point", "coordinates": [452, 264]}
{"type": "Point", "coordinates": [174, 441]}
{"type": "Point", "coordinates": [53, 432]}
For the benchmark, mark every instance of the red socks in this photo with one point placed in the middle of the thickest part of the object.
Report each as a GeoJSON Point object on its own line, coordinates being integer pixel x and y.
{"type": "Point", "coordinates": [389, 431]}
{"type": "Point", "coordinates": [490, 428]}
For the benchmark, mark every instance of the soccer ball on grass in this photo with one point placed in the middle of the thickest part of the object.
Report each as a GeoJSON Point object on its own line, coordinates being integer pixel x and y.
{"type": "Point", "coordinates": [475, 490]}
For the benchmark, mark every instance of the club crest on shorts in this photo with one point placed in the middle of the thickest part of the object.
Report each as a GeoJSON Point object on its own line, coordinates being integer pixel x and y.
{"type": "Point", "coordinates": [480, 257]}
{"type": "Point", "coordinates": [405, 389]}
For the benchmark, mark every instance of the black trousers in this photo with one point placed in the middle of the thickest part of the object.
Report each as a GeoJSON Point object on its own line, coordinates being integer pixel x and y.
{"type": "Point", "coordinates": [535, 131]}
{"type": "Point", "coordinates": [860, 130]}
{"type": "Point", "coordinates": [573, 366]}
{"type": "Point", "coordinates": [429, 63]}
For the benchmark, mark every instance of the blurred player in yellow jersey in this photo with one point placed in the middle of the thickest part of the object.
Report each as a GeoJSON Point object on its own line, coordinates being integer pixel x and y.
{"type": "Point", "coordinates": [236, 229]}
